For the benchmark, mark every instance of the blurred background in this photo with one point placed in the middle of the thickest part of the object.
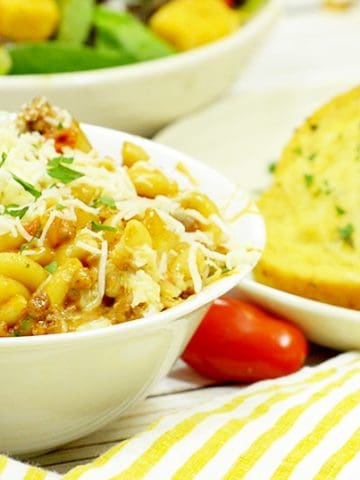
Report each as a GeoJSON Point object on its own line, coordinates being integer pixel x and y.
{"type": "Point", "coordinates": [143, 64]}
{"type": "Point", "coordinates": [186, 72]}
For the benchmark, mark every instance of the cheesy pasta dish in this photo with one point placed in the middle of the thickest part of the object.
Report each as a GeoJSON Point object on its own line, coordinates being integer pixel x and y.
{"type": "Point", "coordinates": [86, 241]}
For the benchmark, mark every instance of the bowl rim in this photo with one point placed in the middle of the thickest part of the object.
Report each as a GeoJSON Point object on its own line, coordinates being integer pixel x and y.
{"type": "Point", "coordinates": [267, 12]}
{"type": "Point", "coordinates": [160, 319]}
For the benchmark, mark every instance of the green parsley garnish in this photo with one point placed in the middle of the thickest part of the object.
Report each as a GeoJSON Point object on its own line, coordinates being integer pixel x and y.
{"type": "Point", "coordinates": [272, 167]}
{"type": "Point", "coordinates": [107, 201]}
{"type": "Point", "coordinates": [346, 234]}
{"type": "Point", "coordinates": [98, 227]}
{"type": "Point", "coordinates": [60, 207]}
{"type": "Point", "coordinates": [56, 161]}
{"type": "Point", "coordinates": [15, 210]}
{"type": "Point", "coordinates": [27, 186]}
{"type": "Point", "coordinates": [339, 210]}
{"type": "Point", "coordinates": [52, 267]}
{"type": "Point", "coordinates": [3, 158]}
{"type": "Point", "coordinates": [326, 188]}
{"type": "Point", "coordinates": [309, 179]}
{"type": "Point", "coordinates": [298, 151]}
{"type": "Point", "coordinates": [312, 156]}
{"type": "Point", "coordinates": [24, 246]}
{"type": "Point", "coordinates": [57, 169]}
{"type": "Point", "coordinates": [25, 327]}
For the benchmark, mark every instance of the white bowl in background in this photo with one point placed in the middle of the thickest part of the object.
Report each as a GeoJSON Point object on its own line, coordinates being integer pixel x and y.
{"type": "Point", "coordinates": [57, 388]}
{"type": "Point", "coordinates": [143, 97]}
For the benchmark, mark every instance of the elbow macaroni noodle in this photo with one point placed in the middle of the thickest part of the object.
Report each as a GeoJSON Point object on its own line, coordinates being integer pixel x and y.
{"type": "Point", "coordinates": [85, 241]}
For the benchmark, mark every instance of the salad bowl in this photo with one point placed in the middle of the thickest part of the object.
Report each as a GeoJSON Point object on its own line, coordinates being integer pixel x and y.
{"type": "Point", "coordinates": [141, 98]}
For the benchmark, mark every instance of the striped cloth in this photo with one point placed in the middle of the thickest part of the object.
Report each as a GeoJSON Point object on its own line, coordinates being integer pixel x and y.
{"type": "Point", "coordinates": [301, 427]}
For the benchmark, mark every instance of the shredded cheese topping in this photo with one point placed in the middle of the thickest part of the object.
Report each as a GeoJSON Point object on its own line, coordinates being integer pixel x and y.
{"type": "Point", "coordinates": [110, 251]}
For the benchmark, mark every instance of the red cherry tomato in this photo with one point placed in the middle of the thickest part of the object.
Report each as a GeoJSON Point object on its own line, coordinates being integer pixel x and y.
{"type": "Point", "coordinates": [237, 341]}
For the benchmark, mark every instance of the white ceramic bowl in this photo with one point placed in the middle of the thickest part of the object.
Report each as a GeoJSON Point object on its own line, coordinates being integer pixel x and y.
{"type": "Point", "coordinates": [57, 388]}
{"type": "Point", "coordinates": [142, 98]}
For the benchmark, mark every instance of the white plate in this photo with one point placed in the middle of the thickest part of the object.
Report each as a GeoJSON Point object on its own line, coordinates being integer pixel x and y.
{"type": "Point", "coordinates": [241, 136]}
{"type": "Point", "coordinates": [325, 324]}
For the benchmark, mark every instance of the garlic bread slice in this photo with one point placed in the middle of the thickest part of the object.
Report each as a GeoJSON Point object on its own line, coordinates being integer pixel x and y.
{"type": "Point", "coordinates": [312, 209]}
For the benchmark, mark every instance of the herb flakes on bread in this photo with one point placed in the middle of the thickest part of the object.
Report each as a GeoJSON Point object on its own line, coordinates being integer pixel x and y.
{"type": "Point", "coordinates": [312, 209]}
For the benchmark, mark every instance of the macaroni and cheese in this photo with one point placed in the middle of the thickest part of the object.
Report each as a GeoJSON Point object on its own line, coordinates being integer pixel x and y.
{"type": "Point", "coordinates": [86, 241]}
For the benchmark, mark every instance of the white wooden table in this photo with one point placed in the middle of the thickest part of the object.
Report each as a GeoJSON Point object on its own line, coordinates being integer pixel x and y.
{"type": "Point", "coordinates": [309, 46]}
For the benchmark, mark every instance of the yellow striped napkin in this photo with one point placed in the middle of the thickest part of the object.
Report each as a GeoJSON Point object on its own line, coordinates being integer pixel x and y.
{"type": "Point", "coordinates": [302, 427]}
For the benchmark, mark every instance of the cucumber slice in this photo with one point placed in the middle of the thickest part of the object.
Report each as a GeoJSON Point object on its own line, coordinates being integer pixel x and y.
{"type": "Point", "coordinates": [123, 30]}
{"type": "Point", "coordinates": [76, 20]}
{"type": "Point", "coordinates": [57, 57]}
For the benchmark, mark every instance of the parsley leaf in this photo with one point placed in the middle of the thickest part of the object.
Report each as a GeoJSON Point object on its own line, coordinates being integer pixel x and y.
{"type": "Point", "coordinates": [309, 179]}
{"type": "Point", "coordinates": [56, 169]}
{"type": "Point", "coordinates": [16, 210]}
{"type": "Point", "coordinates": [339, 210]}
{"type": "Point", "coordinates": [326, 188]}
{"type": "Point", "coordinates": [25, 327]}
{"type": "Point", "coordinates": [272, 167]}
{"type": "Point", "coordinates": [3, 158]}
{"type": "Point", "coordinates": [27, 186]}
{"type": "Point", "coordinates": [24, 246]}
{"type": "Point", "coordinates": [98, 227]}
{"type": "Point", "coordinates": [55, 162]}
{"type": "Point", "coordinates": [107, 201]}
{"type": "Point", "coordinates": [52, 267]}
{"type": "Point", "coordinates": [346, 233]}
